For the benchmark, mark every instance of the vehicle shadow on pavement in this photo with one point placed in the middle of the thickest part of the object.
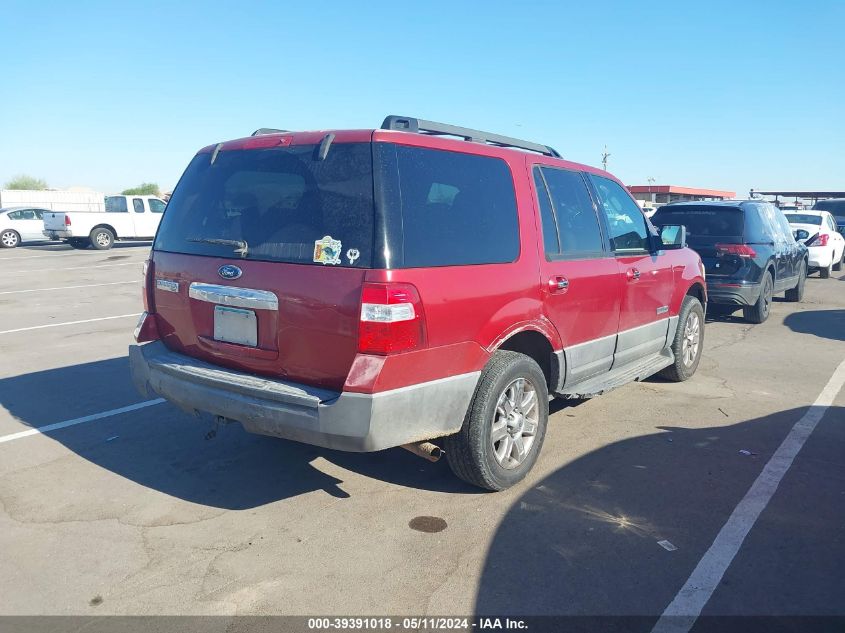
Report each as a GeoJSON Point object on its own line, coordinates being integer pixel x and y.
{"type": "Point", "coordinates": [165, 449]}
{"type": "Point", "coordinates": [822, 323]}
{"type": "Point", "coordinates": [618, 531]}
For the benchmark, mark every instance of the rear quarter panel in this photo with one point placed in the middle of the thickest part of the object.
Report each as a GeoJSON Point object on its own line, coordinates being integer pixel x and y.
{"type": "Point", "coordinates": [686, 273]}
{"type": "Point", "coordinates": [470, 309]}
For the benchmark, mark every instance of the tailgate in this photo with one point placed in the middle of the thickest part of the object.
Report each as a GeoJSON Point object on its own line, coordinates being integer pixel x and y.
{"type": "Point", "coordinates": [310, 336]}
{"type": "Point", "coordinates": [54, 221]}
{"type": "Point", "coordinates": [716, 264]}
{"type": "Point", "coordinates": [275, 241]}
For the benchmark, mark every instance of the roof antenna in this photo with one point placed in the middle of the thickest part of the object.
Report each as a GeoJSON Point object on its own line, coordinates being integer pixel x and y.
{"type": "Point", "coordinates": [605, 155]}
{"type": "Point", "coordinates": [325, 144]}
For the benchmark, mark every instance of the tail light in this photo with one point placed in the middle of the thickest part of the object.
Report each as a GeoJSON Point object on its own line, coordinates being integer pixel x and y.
{"type": "Point", "coordinates": [821, 240]}
{"type": "Point", "coordinates": [147, 328]}
{"type": "Point", "coordinates": [392, 319]}
{"type": "Point", "coordinates": [740, 250]}
{"type": "Point", "coordinates": [148, 286]}
{"type": "Point", "coordinates": [67, 220]}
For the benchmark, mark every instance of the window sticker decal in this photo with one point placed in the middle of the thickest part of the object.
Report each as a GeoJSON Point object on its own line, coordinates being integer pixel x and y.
{"type": "Point", "coordinates": [327, 251]}
{"type": "Point", "coordinates": [352, 254]}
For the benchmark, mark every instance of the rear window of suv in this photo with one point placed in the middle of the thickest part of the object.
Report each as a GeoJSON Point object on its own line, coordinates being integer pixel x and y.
{"type": "Point", "coordinates": [281, 204]}
{"type": "Point", "coordinates": [703, 220]}
{"type": "Point", "coordinates": [364, 205]}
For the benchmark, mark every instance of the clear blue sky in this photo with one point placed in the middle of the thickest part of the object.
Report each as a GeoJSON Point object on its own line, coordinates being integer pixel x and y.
{"type": "Point", "coordinates": [726, 95]}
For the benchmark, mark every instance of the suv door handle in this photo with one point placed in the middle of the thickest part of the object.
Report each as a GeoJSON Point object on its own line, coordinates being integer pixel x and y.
{"type": "Point", "coordinates": [558, 284]}
{"type": "Point", "coordinates": [633, 274]}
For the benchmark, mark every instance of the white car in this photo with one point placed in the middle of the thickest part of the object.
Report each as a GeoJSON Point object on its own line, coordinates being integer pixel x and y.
{"type": "Point", "coordinates": [20, 224]}
{"type": "Point", "coordinates": [825, 244]}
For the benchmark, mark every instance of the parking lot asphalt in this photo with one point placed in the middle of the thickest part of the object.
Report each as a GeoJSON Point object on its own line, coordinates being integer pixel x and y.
{"type": "Point", "coordinates": [141, 512]}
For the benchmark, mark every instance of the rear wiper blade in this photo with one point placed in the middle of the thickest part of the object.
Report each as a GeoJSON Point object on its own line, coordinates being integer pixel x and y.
{"type": "Point", "coordinates": [241, 247]}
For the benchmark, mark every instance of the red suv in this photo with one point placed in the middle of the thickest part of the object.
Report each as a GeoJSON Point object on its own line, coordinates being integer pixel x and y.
{"type": "Point", "coordinates": [364, 289]}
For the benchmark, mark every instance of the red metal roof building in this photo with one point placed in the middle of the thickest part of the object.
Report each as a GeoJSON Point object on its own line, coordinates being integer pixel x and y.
{"type": "Point", "coordinates": [662, 194]}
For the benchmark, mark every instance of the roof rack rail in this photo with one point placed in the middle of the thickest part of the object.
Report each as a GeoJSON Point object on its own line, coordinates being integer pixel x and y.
{"type": "Point", "coordinates": [421, 126]}
{"type": "Point", "coordinates": [267, 130]}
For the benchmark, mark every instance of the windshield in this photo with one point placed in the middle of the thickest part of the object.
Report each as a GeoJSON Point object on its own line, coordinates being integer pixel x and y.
{"type": "Point", "coordinates": [702, 220]}
{"type": "Point", "coordinates": [804, 218]}
{"type": "Point", "coordinates": [280, 204]}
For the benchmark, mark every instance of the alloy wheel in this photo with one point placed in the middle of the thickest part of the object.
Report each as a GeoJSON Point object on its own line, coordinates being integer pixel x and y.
{"type": "Point", "coordinates": [9, 239]}
{"type": "Point", "coordinates": [515, 423]}
{"type": "Point", "coordinates": [767, 295]}
{"type": "Point", "coordinates": [692, 339]}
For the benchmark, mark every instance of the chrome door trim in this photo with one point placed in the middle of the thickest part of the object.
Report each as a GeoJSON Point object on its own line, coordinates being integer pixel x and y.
{"type": "Point", "coordinates": [235, 297]}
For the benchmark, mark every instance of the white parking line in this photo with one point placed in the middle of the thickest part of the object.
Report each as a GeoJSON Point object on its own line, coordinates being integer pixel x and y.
{"type": "Point", "coordinates": [40, 327]}
{"type": "Point", "coordinates": [82, 420]}
{"type": "Point", "coordinates": [138, 263]}
{"type": "Point", "coordinates": [111, 283]}
{"type": "Point", "coordinates": [682, 612]}
{"type": "Point", "coordinates": [57, 255]}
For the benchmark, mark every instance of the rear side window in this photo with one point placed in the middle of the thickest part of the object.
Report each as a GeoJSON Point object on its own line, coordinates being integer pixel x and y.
{"type": "Point", "coordinates": [784, 230]}
{"type": "Point", "coordinates": [703, 220]}
{"type": "Point", "coordinates": [804, 218]}
{"type": "Point", "coordinates": [116, 204]}
{"type": "Point", "coordinates": [138, 205]}
{"type": "Point", "coordinates": [279, 204]}
{"type": "Point", "coordinates": [625, 220]}
{"type": "Point", "coordinates": [446, 208]}
{"type": "Point", "coordinates": [573, 221]}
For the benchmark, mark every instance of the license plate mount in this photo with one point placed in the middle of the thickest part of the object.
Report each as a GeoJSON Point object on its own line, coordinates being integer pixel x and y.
{"type": "Point", "coordinates": [234, 325]}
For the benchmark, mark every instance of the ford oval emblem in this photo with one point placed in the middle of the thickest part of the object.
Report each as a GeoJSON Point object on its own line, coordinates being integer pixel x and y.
{"type": "Point", "coordinates": [229, 272]}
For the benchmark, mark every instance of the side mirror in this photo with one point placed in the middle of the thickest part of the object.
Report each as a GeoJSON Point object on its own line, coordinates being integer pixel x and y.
{"type": "Point", "coordinates": [673, 236]}
{"type": "Point", "coordinates": [801, 234]}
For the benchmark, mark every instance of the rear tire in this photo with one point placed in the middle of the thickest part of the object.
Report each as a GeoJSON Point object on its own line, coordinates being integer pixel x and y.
{"type": "Point", "coordinates": [824, 273]}
{"type": "Point", "coordinates": [102, 239]}
{"type": "Point", "coordinates": [759, 312]}
{"type": "Point", "coordinates": [688, 343]}
{"type": "Point", "coordinates": [797, 293]}
{"type": "Point", "coordinates": [9, 239]}
{"type": "Point", "coordinates": [501, 408]}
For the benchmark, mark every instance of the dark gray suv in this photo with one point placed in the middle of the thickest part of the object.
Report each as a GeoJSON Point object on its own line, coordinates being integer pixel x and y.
{"type": "Point", "coordinates": [748, 250]}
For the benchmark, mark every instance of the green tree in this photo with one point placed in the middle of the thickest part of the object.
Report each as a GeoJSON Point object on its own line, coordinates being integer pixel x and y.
{"type": "Point", "coordinates": [26, 182]}
{"type": "Point", "coordinates": [144, 189]}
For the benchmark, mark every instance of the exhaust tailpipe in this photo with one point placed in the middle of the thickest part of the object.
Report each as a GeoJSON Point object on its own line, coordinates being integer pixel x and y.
{"type": "Point", "coordinates": [426, 450]}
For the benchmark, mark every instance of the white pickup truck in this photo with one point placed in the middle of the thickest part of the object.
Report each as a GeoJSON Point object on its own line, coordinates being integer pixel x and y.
{"type": "Point", "coordinates": [125, 218]}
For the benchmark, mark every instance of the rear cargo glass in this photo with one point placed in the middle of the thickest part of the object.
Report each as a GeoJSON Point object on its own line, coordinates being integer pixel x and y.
{"type": "Point", "coordinates": [703, 221]}
{"type": "Point", "coordinates": [836, 207]}
{"type": "Point", "coordinates": [804, 218]}
{"type": "Point", "coordinates": [444, 208]}
{"type": "Point", "coordinates": [279, 204]}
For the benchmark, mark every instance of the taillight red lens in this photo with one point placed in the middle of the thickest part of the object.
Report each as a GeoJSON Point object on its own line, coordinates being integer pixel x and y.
{"type": "Point", "coordinates": [147, 329]}
{"type": "Point", "coordinates": [740, 250]}
{"type": "Point", "coordinates": [821, 240]}
{"type": "Point", "coordinates": [148, 286]}
{"type": "Point", "coordinates": [392, 319]}
{"type": "Point", "coordinates": [67, 220]}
